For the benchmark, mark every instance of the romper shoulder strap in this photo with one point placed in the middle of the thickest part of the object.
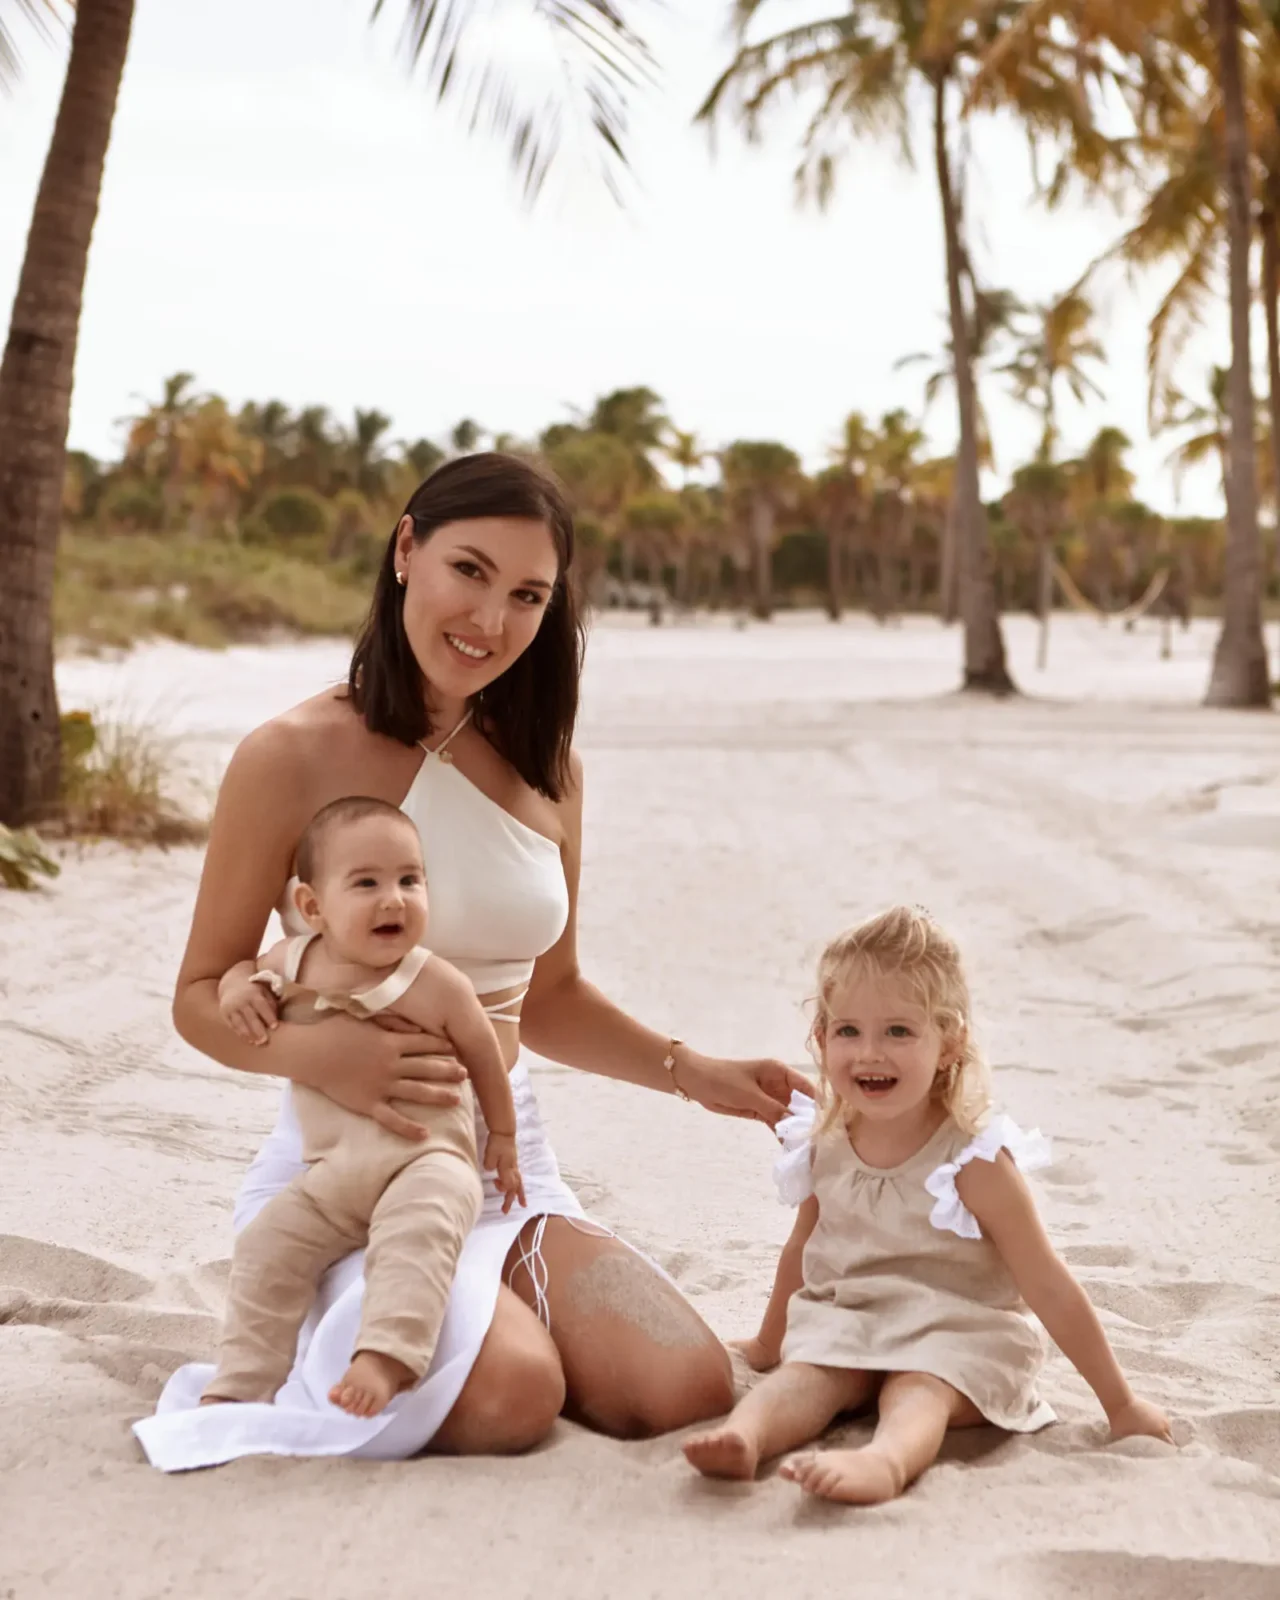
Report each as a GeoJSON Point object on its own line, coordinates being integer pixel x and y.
{"type": "Point", "coordinates": [394, 985]}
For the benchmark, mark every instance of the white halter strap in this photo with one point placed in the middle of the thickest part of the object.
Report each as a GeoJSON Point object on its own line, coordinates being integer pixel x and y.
{"type": "Point", "coordinates": [442, 748]}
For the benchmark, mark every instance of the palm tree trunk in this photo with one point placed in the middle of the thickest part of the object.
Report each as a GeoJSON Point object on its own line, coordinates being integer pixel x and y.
{"type": "Point", "coordinates": [835, 572]}
{"type": "Point", "coordinates": [762, 528]}
{"type": "Point", "coordinates": [1239, 676]}
{"type": "Point", "coordinates": [984, 659]}
{"type": "Point", "coordinates": [948, 579]}
{"type": "Point", "coordinates": [35, 405]}
{"type": "Point", "coordinates": [1044, 599]}
{"type": "Point", "coordinates": [1271, 302]}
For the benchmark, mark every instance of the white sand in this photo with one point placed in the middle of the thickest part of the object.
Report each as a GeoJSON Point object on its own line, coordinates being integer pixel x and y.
{"type": "Point", "coordinates": [1110, 867]}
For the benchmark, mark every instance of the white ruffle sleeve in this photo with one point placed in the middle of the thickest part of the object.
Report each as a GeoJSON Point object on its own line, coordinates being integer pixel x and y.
{"type": "Point", "coordinates": [791, 1171]}
{"type": "Point", "coordinates": [1030, 1151]}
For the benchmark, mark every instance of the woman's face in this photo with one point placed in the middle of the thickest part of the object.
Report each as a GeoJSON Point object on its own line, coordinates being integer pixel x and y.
{"type": "Point", "coordinates": [475, 595]}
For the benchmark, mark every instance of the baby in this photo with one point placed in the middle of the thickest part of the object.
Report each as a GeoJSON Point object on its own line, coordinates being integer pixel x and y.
{"type": "Point", "coordinates": [362, 892]}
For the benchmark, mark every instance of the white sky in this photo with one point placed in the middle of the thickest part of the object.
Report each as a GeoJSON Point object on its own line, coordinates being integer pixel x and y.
{"type": "Point", "coordinates": [287, 216]}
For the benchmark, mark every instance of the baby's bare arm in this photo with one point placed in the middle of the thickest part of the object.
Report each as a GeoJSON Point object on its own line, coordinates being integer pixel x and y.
{"type": "Point", "coordinates": [442, 1002]}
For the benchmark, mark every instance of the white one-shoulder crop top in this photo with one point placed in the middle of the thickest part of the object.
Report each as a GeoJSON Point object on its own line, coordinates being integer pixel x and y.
{"type": "Point", "coordinates": [496, 895]}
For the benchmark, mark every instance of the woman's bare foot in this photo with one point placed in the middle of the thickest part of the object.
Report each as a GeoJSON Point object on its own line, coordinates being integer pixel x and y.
{"type": "Point", "coordinates": [370, 1384]}
{"type": "Point", "coordinates": [866, 1477]}
{"type": "Point", "coordinates": [725, 1452]}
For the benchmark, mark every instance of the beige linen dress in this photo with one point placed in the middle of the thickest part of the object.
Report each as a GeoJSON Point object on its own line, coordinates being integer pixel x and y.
{"type": "Point", "coordinates": [897, 1274]}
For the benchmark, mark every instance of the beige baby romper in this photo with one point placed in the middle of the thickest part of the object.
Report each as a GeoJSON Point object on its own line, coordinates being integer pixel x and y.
{"type": "Point", "coordinates": [897, 1274]}
{"type": "Point", "coordinates": [413, 1205]}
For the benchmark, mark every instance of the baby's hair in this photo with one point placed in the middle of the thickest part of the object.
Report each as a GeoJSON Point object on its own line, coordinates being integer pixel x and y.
{"type": "Point", "coordinates": [907, 943]}
{"type": "Point", "coordinates": [352, 808]}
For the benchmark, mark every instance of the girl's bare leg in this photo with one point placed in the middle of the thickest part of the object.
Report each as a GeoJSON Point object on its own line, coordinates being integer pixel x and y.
{"type": "Point", "coordinates": [791, 1407]}
{"type": "Point", "coordinates": [915, 1412]}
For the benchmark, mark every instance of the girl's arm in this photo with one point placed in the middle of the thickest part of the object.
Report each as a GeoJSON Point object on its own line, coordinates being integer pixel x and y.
{"type": "Point", "coordinates": [997, 1195]}
{"type": "Point", "coordinates": [263, 805]}
{"type": "Point", "coordinates": [765, 1350]}
{"type": "Point", "coordinates": [568, 1019]}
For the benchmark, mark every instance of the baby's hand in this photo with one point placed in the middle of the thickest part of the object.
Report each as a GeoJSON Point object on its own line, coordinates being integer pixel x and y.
{"type": "Point", "coordinates": [757, 1357]}
{"type": "Point", "coordinates": [250, 1009]}
{"type": "Point", "coordinates": [1141, 1419]}
{"type": "Point", "coordinates": [500, 1157]}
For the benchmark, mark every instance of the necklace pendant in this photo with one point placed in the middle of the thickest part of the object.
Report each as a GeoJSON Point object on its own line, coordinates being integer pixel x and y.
{"type": "Point", "coordinates": [447, 756]}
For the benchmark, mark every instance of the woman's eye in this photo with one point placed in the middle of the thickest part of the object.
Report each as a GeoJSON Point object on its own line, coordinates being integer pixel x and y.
{"type": "Point", "coordinates": [531, 597]}
{"type": "Point", "coordinates": [468, 569]}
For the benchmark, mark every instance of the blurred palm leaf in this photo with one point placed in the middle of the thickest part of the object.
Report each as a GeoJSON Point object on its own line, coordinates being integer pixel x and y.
{"type": "Point", "coordinates": [32, 11]}
{"type": "Point", "coordinates": [600, 60]}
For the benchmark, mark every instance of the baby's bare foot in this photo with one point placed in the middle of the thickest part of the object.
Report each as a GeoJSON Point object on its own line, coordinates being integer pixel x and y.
{"type": "Point", "coordinates": [866, 1477]}
{"type": "Point", "coordinates": [370, 1383]}
{"type": "Point", "coordinates": [723, 1453]}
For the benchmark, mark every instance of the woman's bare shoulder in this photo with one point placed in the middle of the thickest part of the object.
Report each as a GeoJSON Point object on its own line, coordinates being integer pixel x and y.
{"type": "Point", "coordinates": [299, 742]}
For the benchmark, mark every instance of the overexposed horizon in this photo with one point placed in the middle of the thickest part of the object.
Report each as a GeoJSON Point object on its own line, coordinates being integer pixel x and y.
{"type": "Point", "coordinates": [287, 215]}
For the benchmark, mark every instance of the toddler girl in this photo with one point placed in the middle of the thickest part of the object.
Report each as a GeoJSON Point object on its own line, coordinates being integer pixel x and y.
{"type": "Point", "coordinates": [917, 1248]}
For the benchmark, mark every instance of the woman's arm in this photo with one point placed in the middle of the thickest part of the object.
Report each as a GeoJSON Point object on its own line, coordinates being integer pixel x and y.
{"type": "Point", "coordinates": [997, 1195]}
{"type": "Point", "coordinates": [765, 1350]}
{"type": "Point", "coordinates": [263, 805]}
{"type": "Point", "coordinates": [567, 1019]}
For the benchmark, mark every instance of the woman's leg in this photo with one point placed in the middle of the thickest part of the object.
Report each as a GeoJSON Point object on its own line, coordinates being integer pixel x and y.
{"type": "Point", "coordinates": [915, 1412]}
{"type": "Point", "coordinates": [638, 1359]}
{"type": "Point", "coordinates": [515, 1391]}
{"type": "Point", "coordinates": [791, 1407]}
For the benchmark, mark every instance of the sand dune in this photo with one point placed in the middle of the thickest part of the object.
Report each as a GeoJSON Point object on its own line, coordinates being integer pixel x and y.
{"type": "Point", "coordinates": [1110, 868]}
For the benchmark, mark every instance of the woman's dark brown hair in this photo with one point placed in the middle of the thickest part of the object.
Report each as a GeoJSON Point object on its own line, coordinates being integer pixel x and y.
{"type": "Point", "coordinates": [528, 714]}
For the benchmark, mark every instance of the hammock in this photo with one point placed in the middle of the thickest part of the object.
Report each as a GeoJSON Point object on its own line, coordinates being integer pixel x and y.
{"type": "Point", "coordinates": [1081, 602]}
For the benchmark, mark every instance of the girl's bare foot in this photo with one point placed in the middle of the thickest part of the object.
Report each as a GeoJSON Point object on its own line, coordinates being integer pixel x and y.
{"type": "Point", "coordinates": [866, 1477]}
{"type": "Point", "coordinates": [370, 1384]}
{"type": "Point", "coordinates": [723, 1453]}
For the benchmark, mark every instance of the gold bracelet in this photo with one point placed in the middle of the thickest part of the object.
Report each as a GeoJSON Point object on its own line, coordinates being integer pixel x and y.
{"type": "Point", "coordinates": [669, 1062]}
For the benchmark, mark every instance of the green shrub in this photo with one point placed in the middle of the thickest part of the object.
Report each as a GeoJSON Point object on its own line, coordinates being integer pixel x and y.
{"type": "Point", "coordinates": [291, 514]}
{"type": "Point", "coordinates": [23, 859]}
{"type": "Point", "coordinates": [134, 507]}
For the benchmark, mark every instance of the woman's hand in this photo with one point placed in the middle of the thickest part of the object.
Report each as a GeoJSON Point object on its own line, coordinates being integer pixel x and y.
{"type": "Point", "coordinates": [758, 1089]}
{"type": "Point", "coordinates": [364, 1068]}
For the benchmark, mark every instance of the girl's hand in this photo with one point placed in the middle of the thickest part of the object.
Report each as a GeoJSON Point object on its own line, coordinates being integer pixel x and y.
{"type": "Point", "coordinates": [757, 1356]}
{"type": "Point", "coordinates": [758, 1089]}
{"type": "Point", "coordinates": [249, 1009]}
{"type": "Point", "coordinates": [365, 1068]}
{"type": "Point", "coordinates": [1140, 1419]}
{"type": "Point", "coordinates": [500, 1158]}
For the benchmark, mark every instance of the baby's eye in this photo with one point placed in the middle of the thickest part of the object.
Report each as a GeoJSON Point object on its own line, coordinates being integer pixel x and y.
{"type": "Point", "coordinates": [366, 883]}
{"type": "Point", "coordinates": [411, 880]}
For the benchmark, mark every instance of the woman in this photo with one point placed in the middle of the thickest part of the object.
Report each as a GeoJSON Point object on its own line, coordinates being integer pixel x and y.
{"type": "Point", "coordinates": [472, 654]}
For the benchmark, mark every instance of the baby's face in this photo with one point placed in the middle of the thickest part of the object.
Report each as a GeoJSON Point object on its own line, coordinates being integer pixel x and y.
{"type": "Point", "coordinates": [372, 892]}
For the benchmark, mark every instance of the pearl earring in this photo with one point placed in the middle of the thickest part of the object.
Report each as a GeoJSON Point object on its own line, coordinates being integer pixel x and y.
{"type": "Point", "coordinates": [402, 578]}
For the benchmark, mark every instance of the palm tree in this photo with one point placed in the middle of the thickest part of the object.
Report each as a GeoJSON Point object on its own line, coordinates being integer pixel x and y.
{"type": "Point", "coordinates": [368, 460]}
{"type": "Point", "coordinates": [466, 437]}
{"type": "Point", "coordinates": [864, 65]}
{"type": "Point", "coordinates": [1240, 676]}
{"type": "Point", "coordinates": [39, 357]}
{"type": "Point", "coordinates": [156, 445]}
{"type": "Point", "coordinates": [686, 452]}
{"type": "Point", "coordinates": [762, 481]}
{"type": "Point", "coordinates": [635, 416]}
{"type": "Point", "coordinates": [1055, 351]}
{"type": "Point", "coordinates": [1037, 498]}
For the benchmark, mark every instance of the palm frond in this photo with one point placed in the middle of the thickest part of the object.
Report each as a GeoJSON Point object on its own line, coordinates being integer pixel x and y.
{"type": "Point", "coordinates": [602, 62]}
{"type": "Point", "coordinates": [34, 13]}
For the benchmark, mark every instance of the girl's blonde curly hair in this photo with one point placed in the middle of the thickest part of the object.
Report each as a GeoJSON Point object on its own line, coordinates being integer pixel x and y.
{"type": "Point", "coordinates": [905, 943]}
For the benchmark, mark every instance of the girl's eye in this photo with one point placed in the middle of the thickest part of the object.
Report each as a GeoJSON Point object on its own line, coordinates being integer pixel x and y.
{"type": "Point", "coordinates": [899, 1031]}
{"type": "Point", "coordinates": [846, 1030]}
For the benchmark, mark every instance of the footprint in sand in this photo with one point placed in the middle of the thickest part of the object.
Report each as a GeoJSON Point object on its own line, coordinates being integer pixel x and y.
{"type": "Point", "coordinates": [1099, 1255]}
{"type": "Point", "coordinates": [1082, 929]}
{"type": "Point", "coordinates": [1069, 1574]}
{"type": "Point", "coordinates": [1241, 1055]}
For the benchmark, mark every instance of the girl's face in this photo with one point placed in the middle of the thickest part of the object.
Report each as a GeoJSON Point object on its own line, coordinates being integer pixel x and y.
{"type": "Point", "coordinates": [881, 1051]}
{"type": "Point", "coordinates": [475, 596]}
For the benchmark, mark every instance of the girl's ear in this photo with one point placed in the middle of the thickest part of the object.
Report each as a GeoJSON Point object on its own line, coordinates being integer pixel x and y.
{"type": "Point", "coordinates": [307, 906]}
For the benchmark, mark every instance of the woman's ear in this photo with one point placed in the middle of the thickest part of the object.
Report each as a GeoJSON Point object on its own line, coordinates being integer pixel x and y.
{"type": "Point", "coordinates": [404, 543]}
{"type": "Point", "coordinates": [307, 906]}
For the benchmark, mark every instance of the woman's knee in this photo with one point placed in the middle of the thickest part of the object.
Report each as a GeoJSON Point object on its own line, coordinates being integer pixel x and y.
{"type": "Point", "coordinates": [691, 1386]}
{"type": "Point", "coordinates": [513, 1396]}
